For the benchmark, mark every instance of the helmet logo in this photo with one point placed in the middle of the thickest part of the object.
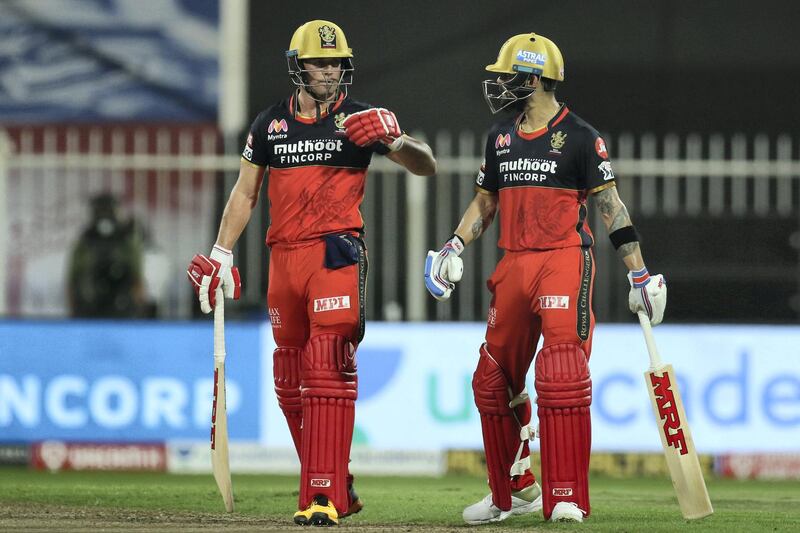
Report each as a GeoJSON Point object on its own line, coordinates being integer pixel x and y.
{"type": "Point", "coordinates": [327, 37]}
{"type": "Point", "coordinates": [502, 140]}
{"type": "Point", "coordinates": [558, 139]}
{"type": "Point", "coordinates": [277, 126]}
{"type": "Point", "coordinates": [534, 58]}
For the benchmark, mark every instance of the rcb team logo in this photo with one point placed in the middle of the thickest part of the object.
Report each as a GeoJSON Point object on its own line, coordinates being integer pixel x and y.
{"type": "Point", "coordinates": [339, 119]}
{"type": "Point", "coordinates": [558, 139]}
{"type": "Point", "coordinates": [327, 37]}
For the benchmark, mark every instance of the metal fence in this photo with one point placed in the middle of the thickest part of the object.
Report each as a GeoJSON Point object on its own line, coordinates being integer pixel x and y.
{"type": "Point", "coordinates": [177, 179]}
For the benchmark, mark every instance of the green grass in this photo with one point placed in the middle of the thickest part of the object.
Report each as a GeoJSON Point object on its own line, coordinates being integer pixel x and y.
{"type": "Point", "coordinates": [404, 503]}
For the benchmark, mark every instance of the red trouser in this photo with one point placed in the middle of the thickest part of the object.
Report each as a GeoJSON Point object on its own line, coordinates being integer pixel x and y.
{"type": "Point", "coordinates": [537, 293]}
{"type": "Point", "coordinates": [317, 316]}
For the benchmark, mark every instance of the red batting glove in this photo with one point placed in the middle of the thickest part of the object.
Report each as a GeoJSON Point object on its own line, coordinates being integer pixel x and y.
{"type": "Point", "coordinates": [371, 125]}
{"type": "Point", "coordinates": [207, 273]}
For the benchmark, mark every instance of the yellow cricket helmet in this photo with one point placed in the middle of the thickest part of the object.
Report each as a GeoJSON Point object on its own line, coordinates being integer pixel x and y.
{"type": "Point", "coordinates": [521, 57]}
{"type": "Point", "coordinates": [531, 53]}
{"type": "Point", "coordinates": [319, 39]}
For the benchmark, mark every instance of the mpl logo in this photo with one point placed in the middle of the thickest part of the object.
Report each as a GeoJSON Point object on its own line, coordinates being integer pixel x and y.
{"type": "Point", "coordinates": [562, 492]}
{"type": "Point", "coordinates": [331, 304]}
{"type": "Point", "coordinates": [502, 141]}
{"type": "Point", "coordinates": [324, 483]}
{"type": "Point", "coordinates": [554, 302]}
{"type": "Point", "coordinates": [277, 126]}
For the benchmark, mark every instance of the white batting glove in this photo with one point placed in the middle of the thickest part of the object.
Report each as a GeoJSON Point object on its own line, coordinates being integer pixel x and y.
{"type": "Point", "coordinates": [443, 269]}
{"type": "Point", "coordinates": [648, 294]}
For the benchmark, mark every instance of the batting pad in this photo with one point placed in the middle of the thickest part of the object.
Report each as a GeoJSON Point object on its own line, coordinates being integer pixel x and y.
{"type": "Point", "coordinates": [501, 428]}
{"type": "Point", "coordinates": [286, 374]}
{"type": "Point", "coordinates": [564, 389]}
{"type": "Point", "coordinates": [328, 390]}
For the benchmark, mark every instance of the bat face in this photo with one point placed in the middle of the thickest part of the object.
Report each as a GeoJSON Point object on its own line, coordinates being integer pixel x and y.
{"type": "Point", "coordinates": [676, 438]}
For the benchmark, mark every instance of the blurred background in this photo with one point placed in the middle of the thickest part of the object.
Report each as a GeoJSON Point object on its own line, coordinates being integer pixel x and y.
{"type": "Point", "coordinates": [121, 124]}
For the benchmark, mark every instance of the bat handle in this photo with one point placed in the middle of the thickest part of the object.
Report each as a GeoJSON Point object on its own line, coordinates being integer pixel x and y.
{"type": "Point", "coordinates": [219, 327]}
{"type": "Point", "coordinates": [650, 341]}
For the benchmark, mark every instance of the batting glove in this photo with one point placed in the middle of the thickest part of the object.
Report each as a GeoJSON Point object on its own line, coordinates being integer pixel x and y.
{"type": "Point", "coordinates": [648, 294]}
{"type": "Point", "coordinates": [207, 273]}
{"type": "Point", "coordinates": [371, 125]}
{"type": "Point", "coordinates": [443, 269]}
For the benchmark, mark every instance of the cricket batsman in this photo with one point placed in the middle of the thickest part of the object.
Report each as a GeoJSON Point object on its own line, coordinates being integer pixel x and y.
{"type": "Point", "coordinates": [541, 164]}
{"type": "Point", "coordinates": [314, 147]}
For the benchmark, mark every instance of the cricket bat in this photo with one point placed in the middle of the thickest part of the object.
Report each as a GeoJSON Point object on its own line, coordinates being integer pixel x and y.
{"type": "Point", "coordinates": [676, 437]}
{"type": "Point", "coordinates": [219, 416]}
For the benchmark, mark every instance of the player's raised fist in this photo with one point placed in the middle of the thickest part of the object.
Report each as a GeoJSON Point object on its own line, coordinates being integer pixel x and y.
{"type": "Point", "coordinates": [371, 125]}
{"type": "Point", "coordinates": [206, 273]}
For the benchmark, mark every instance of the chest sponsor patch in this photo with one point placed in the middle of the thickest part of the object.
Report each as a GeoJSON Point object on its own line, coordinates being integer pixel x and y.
{"type": "Point", "coordinates": [331, 304]}
{"type": "Point", "coordinates": [554, 302]}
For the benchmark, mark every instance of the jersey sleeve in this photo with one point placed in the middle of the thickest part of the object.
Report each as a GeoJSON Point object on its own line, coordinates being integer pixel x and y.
{"type": "Point", "coordinates": [597, 165]}
{"type": "Point", "coordinates": [486, 180]}
{"type": "Point", "coordinates": [256, 150]}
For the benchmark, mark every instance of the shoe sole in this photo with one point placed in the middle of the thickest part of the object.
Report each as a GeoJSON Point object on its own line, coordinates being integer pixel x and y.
{"type": "Point", "coordinates": [535, 505]}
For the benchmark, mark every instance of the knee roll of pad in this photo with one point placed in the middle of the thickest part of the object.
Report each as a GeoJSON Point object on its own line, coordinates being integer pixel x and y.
{"type": "Point", "coordinates": [564, 389]}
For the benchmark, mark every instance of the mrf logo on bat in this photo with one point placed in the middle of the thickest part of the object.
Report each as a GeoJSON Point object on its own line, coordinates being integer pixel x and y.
{"type": "Point", "coordinates": [668, 412]}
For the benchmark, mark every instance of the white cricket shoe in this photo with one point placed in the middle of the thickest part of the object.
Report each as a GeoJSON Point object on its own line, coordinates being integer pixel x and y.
{"type": "Point", "coordinates": [527, 500]}
{"type": "Point", "coordinates": [566, 512]}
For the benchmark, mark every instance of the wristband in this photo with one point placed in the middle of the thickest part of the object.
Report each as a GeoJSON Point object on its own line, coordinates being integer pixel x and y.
{"type": "Point", "coordinates": [456, 243]}
{"type": "Point", "coordinates": [623, 236]}
{"type": "Point", "coordinates": [640, 278]}
{"type": "Point", "coordinates": [396, 144]}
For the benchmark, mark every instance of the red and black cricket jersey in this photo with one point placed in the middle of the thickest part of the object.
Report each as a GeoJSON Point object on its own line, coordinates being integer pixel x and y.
{"type": "Point", "coordinates": [316, 175]}
{"type": "Point", "coordinates": [543, 179]}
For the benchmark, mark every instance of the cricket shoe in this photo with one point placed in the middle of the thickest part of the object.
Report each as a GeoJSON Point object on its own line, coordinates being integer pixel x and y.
{"type": "Point", "coordinates": [527, 500]}
{"type": "Point", "coordinates": [566, 512]}
{"type": "Point", "coordinates": [321, 512]}
{"type": "Point", "coordinates": [354, 502]}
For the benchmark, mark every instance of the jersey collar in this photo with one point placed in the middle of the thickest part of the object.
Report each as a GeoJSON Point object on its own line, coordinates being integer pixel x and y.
{"type": "Point", "coordinates": [563, 111]}
{"type": "Point", "coordinates": [306, 120]}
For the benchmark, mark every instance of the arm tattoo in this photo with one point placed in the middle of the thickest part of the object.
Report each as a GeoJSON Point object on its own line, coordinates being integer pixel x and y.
{"type": "Point", "coordinates": [485, 218]}
{"type": "Point", "coordinates": [627, 249]}
{"type": "Point", "coordinates": [615, 215]}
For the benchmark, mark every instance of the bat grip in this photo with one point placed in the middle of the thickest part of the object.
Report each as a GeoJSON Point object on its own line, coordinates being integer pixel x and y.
{"type": "Point", "coordinates": [219, 327]}
{"type": "Point", "coordinates": [650, 341]}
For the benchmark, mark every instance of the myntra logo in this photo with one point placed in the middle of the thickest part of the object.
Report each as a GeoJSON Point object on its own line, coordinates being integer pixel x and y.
{"type": "Point", "coordinates": [502, 140]}
{"type": "Point", "coordinates": [277, 126]}
{"type": "Point", "coordinates": [668, 412]}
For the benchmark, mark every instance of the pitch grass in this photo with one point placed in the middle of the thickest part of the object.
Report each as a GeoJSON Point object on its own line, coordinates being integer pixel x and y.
{"type": "Point", "coordinates": [113, 501]}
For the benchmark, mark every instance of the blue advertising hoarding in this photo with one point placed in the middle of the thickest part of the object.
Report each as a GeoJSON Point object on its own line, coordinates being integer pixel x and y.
{"type": "Point", "coordinates": [144, 381]}
{"type": "Point", "coordinates": [123, 381]}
